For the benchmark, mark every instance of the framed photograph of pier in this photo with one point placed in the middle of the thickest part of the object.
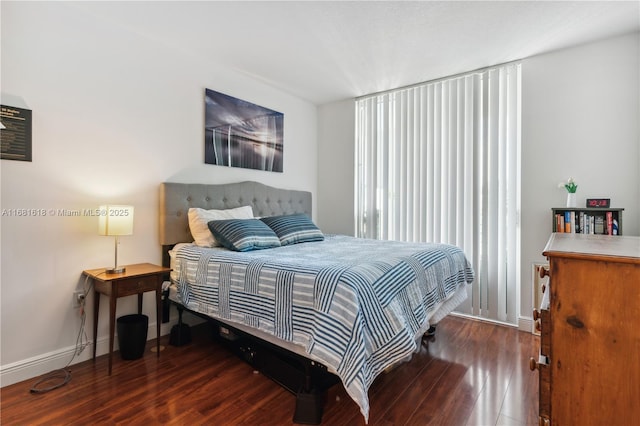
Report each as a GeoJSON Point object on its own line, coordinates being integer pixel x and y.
{"type": "Point", "coordinates": [241, 134]}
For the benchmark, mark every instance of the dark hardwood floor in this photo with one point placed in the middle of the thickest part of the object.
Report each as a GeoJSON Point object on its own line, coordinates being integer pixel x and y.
{"type": "Point", "coordinates": [471, 373]}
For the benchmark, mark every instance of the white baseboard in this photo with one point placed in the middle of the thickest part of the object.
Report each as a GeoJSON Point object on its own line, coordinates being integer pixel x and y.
{"type": "Point", "coordinates": [525, 324]}
{"type": "Point", "coordinates": [36, 366]}
{"type": "Point", "coordinates": [476, 318]}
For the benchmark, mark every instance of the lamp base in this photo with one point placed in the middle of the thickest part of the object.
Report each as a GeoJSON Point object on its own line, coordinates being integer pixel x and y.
{"type": "Point", "coordinates": [117, 270]}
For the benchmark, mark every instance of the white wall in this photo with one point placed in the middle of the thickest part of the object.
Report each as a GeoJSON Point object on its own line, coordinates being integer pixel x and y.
{"type": "Point", "coordinates": [580, 111]}
{"type": "Point", "coordinates": [580, 119]}
{"type": "Point", "coordinates": [114, 115]}
{"type": "Point", "coordinates": [336, 160]}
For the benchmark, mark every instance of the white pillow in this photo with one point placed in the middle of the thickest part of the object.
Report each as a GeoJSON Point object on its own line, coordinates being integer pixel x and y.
{"type": "Point", "coordinates": [198, 219]}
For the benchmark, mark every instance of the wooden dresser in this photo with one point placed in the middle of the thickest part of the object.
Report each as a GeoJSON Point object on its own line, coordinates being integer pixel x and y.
{"type": "Point", "coordinates": [589, 361]}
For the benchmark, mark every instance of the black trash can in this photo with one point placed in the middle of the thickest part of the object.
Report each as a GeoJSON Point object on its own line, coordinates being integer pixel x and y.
{"type": "Point", "coordinates": [132, 335]}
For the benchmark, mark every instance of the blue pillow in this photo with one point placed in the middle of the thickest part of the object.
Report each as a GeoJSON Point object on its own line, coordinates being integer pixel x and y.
{"type": "Point", "coordinates": [294, 228]}
{"type": "Point", "coordinates": [243, 234]}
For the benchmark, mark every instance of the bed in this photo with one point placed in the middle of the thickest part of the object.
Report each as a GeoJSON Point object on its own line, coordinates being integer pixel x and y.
{"type": "Point", "coordinates": [335, 306]}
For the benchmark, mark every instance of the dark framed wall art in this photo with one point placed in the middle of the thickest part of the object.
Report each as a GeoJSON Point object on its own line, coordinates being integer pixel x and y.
{"type": "Point", "coordinates": [241, 134]}
{"type": "Point", "coordinates": [15, 133]}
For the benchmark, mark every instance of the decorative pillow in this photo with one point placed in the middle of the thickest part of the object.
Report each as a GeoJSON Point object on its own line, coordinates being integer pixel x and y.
{"type": "Point", "coordinates": [199, 218]}
{"type": "Point", "coordinates": [244, 234]}
{"type": "Point", "coordinates": [294, 228]}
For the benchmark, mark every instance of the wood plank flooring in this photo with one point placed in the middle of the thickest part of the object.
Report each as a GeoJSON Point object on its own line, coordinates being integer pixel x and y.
{"type": "Point", "coordinates": [472, 373]}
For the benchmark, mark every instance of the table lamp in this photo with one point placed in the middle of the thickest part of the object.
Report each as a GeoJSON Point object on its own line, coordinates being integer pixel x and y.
{"type": "Point", "coordinates": [115, 221]}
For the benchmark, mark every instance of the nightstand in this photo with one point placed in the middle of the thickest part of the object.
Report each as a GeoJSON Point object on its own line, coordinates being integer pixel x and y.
{"type": "Point", "coordinates": [137, 279]}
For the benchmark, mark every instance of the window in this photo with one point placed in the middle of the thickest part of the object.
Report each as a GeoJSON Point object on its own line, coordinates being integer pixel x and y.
{"type": "Point", "coordinates": [440, 162]}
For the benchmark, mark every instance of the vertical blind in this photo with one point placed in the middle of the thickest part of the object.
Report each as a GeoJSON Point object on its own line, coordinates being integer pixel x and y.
{"type": "Point", "coordinates": [440, 162]}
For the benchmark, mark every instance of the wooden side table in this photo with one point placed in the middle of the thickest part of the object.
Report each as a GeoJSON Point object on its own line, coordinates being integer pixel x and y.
{"type": "Point", "coordinates": [137, 279]}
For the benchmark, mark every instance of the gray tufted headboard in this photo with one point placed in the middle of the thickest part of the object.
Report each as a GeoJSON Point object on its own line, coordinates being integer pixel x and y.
{"type": "Point", "coordinates": [177, 198]}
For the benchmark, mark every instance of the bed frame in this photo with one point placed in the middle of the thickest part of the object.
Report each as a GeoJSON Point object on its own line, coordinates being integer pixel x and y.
{"type": "Point", "coordinates": [306, 379]}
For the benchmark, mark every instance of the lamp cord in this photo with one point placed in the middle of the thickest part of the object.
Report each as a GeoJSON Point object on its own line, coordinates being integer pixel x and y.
{"type": "Point", "coordinates": [82, 342]}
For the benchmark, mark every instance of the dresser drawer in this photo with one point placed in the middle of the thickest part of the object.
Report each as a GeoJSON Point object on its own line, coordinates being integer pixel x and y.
{"type": "Point", "coordinates": [545, 390]}
{"type": "Point", "coordinates": [136, 285]}
{"type": "Point", "coordinates": [545, 332]}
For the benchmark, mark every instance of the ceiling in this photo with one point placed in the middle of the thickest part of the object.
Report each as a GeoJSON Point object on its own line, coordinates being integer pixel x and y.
{"type": "Point", "coordinates": [325, 51]}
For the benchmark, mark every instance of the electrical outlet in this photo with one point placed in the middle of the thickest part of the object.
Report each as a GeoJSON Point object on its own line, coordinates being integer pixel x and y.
{"type": "Point", "coordinates": [78, 298]}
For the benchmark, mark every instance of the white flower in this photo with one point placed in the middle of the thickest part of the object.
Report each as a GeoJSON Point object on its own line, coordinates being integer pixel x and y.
{"type": "Point", "coordinates": [570, 185]}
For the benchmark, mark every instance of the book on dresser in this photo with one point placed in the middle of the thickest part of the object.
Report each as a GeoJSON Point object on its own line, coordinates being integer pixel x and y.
{"type": "Point", "coordinates": [590, 220]}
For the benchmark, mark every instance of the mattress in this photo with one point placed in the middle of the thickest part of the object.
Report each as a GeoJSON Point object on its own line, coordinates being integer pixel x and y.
{"type": "Point", "coordinates": [357, 306]}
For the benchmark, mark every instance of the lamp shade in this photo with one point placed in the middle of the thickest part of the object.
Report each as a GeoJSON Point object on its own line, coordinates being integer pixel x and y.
{"type": "Point", "coordinates": [115, 220]}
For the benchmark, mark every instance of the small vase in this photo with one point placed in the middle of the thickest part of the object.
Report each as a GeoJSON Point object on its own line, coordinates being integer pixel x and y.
{"type": "Point", "coordinates": [571, 199]}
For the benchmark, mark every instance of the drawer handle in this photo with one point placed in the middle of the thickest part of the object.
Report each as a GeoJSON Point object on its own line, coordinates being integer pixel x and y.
{"type": "Point", "coordinates": [544, 272]}
{"type": "Point", "coordinates": [535, 365]}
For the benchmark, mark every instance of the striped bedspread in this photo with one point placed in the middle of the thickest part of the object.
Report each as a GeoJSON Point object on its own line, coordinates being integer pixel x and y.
{"type": "Point", "coordinates": [357, 306]}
